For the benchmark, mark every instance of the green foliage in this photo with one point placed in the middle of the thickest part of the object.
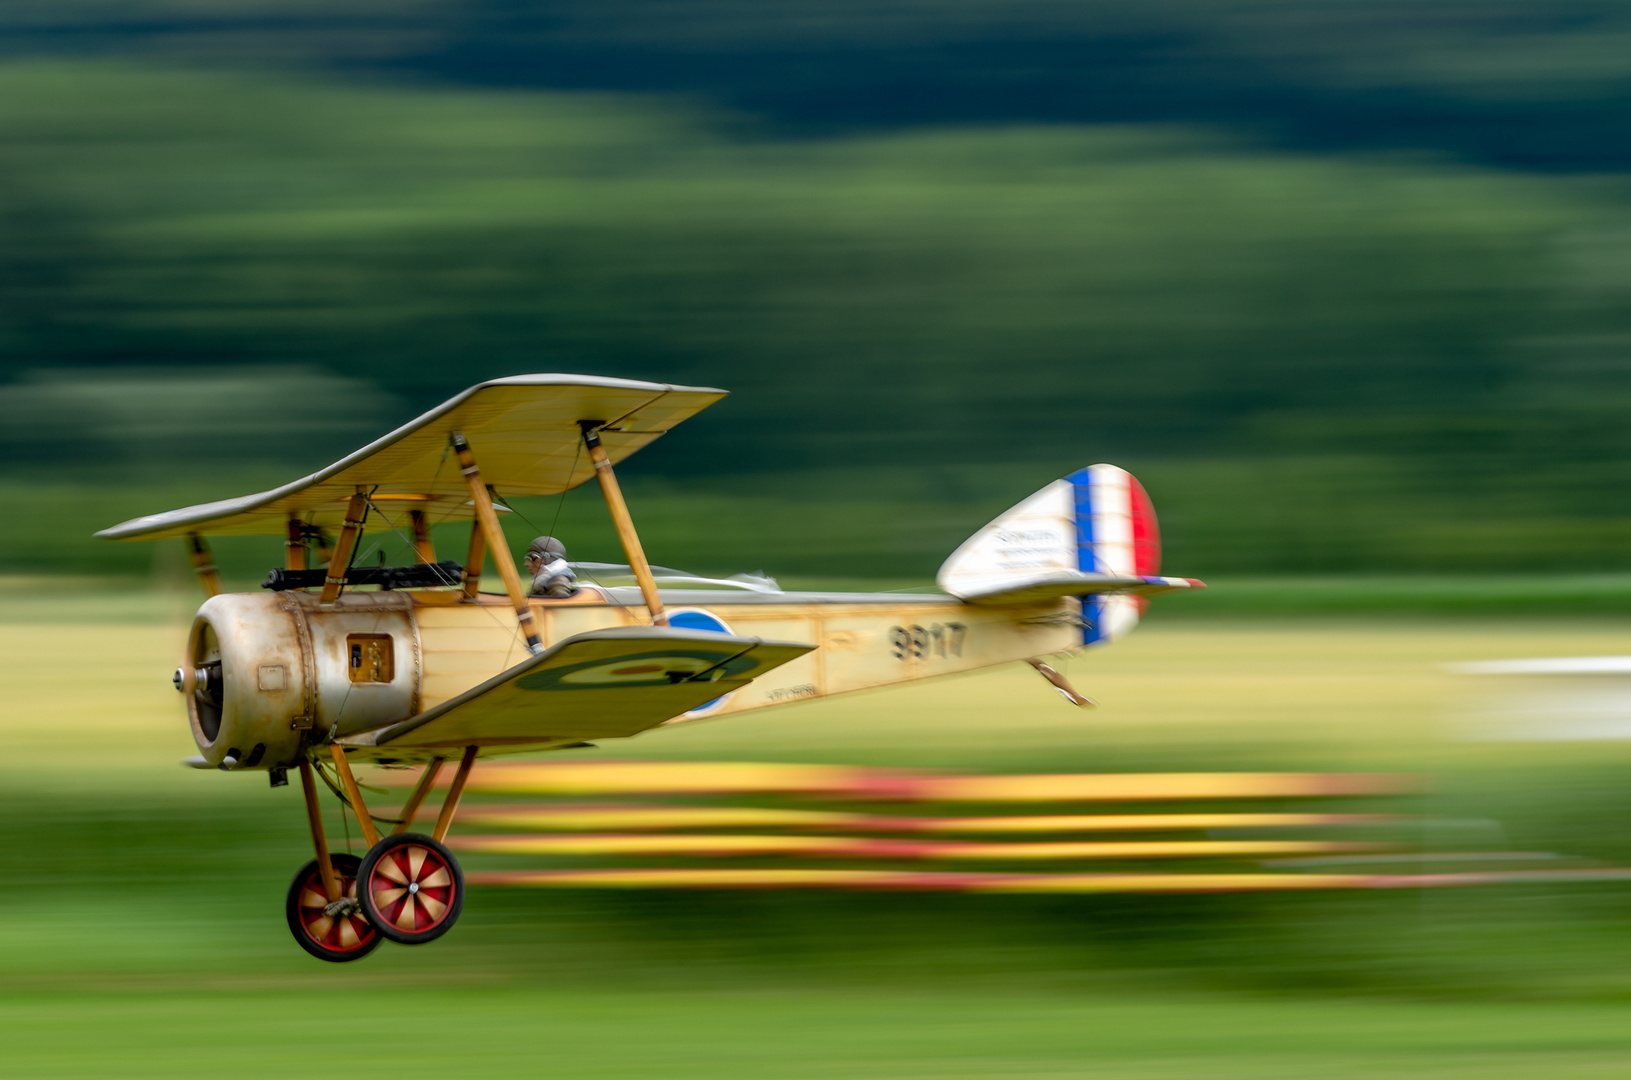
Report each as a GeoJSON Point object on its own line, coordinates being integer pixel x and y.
{"type": "Point", "coordinates": [1520, 82]}
{"type": "Point", "coordinates": [1316, 363]}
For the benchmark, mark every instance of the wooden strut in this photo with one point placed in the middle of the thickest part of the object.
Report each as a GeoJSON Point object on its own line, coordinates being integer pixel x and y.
{"type": "Point", "coordinates": [423, 547]}
{"type": "Point", "coordinates": [623, 522]}
{"type": "Point", "coordinates": [488, 517]}
{"type": "Point", "coordinates": [1060, 683]}
{"type": "Point", "coordinates": [314, 816]}
{"type": "Point", "coordinates": [204, 564]}
{"type": "Point", "coordinates": [427, 780]}
{"type": "Point", "coordinates": [450, 805]}
{"type": "Point", "coordinates": [356, 513]}
{"type": "Point", "coordinates": [294, 545]}
{"type": "Point", "coordinates": [474, 559]}
{"type": "Point", "coordinates": [353, 794]}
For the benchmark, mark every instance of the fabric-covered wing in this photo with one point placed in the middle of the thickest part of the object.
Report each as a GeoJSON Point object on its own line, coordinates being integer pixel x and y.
{"type": "Point", "coordinates": [601, 684]}
{"type": "Point", "coordinates": [524, 431]}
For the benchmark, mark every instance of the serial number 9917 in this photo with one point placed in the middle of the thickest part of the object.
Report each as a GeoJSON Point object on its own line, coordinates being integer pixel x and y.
{"type": "Point", "coordinates": [917, 642]}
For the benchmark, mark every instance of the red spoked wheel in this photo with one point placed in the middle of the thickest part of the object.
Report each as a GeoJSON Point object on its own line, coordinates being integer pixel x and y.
{"type": "Point", "coordinates": [411, 888]}
{"type": "Point", "coordinates": [340, 936]}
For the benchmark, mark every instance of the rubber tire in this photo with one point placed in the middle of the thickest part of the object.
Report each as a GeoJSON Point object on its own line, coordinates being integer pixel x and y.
{"type": "Point", "coordinates": [455, 900]}
{"type": "Point", "coordinates": [345, 866]}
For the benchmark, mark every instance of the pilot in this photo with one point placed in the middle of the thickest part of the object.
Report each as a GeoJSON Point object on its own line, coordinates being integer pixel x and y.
{"type": "Point", "coordinates": [546, 562]}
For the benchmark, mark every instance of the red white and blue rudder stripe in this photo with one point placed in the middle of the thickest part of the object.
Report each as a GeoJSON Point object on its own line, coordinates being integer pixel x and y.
{"type": "Point", "coordinates": [1116, 533]}
{"type": "Point", "coordinates": [1091, 535]}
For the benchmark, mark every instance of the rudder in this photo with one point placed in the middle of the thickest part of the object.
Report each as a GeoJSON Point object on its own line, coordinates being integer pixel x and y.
{"type": "Point", "coordinates": [1092, 534]}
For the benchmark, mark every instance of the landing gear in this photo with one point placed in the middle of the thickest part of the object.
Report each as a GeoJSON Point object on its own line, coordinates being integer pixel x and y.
{"type": "Point", "coordinates": [411, 888]}
{"type": "Point", "coordinates": [336, 931]}
{"type": "Point", "coordinates": [408, 888]}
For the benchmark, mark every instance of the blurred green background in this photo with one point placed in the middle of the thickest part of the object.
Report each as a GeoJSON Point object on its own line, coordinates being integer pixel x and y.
{"type": "Point", "coordinates": [1347, 285]}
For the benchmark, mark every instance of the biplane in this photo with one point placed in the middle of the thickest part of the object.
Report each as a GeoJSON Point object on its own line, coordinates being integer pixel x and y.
{"type": "Point", "coordinates": [334, 663]}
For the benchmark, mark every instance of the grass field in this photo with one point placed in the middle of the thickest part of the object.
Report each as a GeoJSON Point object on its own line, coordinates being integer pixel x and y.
{"type": "Point", "coordinates": [143, 932]}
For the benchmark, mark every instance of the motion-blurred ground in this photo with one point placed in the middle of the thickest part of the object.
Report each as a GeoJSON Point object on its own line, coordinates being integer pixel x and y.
{"type": "Point", "coordinates": [143, 931]}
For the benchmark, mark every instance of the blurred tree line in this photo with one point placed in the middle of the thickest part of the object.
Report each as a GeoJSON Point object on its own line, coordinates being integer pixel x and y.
{"type": "Point", "coordinates": [1281, 260]}
{"type": "Point", "coordinates": [1518, 82]}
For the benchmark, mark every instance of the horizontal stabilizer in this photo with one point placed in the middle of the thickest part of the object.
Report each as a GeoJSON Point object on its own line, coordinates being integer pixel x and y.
{"type": "Point", "coordinates": [1051, 586]}
{"type": "Point", "coordinates": [601, 684]}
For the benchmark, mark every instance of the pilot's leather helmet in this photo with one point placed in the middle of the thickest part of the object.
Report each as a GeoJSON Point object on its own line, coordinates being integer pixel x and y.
{"type": "Point", "coordinates": [548, 547]}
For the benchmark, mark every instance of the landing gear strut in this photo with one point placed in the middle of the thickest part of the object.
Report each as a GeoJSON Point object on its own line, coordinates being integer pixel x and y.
{"type": "Point", "coordinates": [408, 888]}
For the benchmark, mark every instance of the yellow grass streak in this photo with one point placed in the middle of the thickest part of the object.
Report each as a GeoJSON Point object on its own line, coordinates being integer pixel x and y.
{"type": "Point", "coordinates": [615, 818]}
{"type": "Point", "coordinates": [881, 848]}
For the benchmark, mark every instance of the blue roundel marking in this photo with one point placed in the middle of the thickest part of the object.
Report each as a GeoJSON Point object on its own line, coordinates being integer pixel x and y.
{"type": "Point", "coordinates": [700, 620]}
{"type": "Point", "coordinates": [697, 620]}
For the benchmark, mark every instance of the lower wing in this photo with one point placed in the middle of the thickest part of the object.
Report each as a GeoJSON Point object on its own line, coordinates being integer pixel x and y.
{"type": "Point", "coordinates": [600, 684]}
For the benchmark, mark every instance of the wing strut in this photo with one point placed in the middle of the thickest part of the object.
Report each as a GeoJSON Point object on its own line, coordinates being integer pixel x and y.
{"type": "Point", "coordinates": [474, 557]}
{"type": "Point", "coordinates": [204, 564]}
{"type": "Point", "coordinates": [483, 500]}
{"type": "Point", "coordinates": [624, 523]}
{"type": "Point", "coordinates": [423, 546]}
{"type": "Point", "coordinates": [294, 544]}
{"type": "Point", "coordinates": [355, 512]}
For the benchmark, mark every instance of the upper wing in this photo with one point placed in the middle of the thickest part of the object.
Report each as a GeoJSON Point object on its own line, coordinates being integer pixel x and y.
{"type": "Point", "coordinates": [1057, 583]}
{"type": "Point", "coordinates": [600, 684]}
{"type": "Point", "coordinates": [525, 433]}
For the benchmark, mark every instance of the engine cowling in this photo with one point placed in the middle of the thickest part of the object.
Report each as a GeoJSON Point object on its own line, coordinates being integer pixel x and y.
{"type": "Point", "coordinates": [266, 674]}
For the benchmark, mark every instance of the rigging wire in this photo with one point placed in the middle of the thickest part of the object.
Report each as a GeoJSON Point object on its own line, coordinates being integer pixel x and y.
{"type": "Point", "coordinates": [576, 454]}
{"type": "Point", "coordinates": [333, 785]}
{"type": "Point", "coordinates": [407, 540]}
{"type": "Point", "coordinates": [606, 589]}
{"type": "Point", "coordinates": [482, 607]}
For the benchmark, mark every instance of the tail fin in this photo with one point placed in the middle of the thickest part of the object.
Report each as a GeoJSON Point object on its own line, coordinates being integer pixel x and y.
{"type": "Point", "coordinates": [1092, 534]}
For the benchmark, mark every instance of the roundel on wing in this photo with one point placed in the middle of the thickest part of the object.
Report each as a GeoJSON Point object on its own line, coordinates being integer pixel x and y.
{"type": "Point", "coordinates": [656, 668]}
{"type": "Point", "coordinates": [698, 619]}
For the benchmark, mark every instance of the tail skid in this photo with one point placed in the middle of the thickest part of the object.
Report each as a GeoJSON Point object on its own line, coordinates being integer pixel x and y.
{"type": "Point", "coordinates": [1061, 684]}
